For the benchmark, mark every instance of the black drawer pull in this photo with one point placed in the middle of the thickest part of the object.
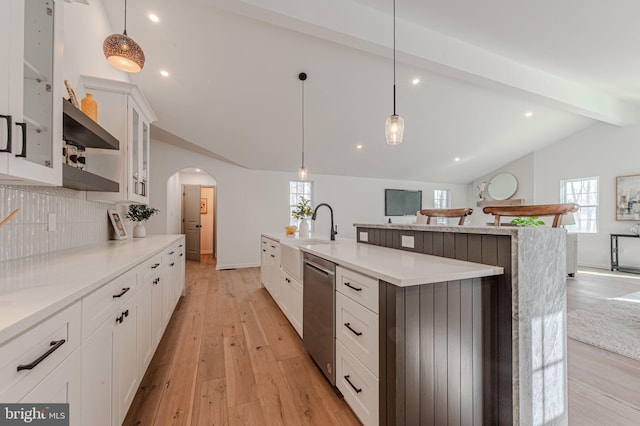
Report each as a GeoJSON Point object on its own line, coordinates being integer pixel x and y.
{"type": "Point", "coordinates": [351, 384]}
{"type": "Point", "coordinates": [119, 319]}
{"type": "Point", "coordinates": [23, 126]}
{"type": "Point", "coordinates": [181, 254]}
{"type": "Point", "coordinates": [9, 133]}
{"type": "Point", "coordinates": [264, 250]}
{"type": "Point", "coordinates": [124, 290]}
{"type": "Point", "coordinates": [171, 252]}
{"type": "Point", "coordinates": [54, 346]}
{"type": "Point", "coordinates": [352, 287]}
{"type": "Point", "coordinates": [156, 281]}
{"type": "Point", "coordinates": [155, 265]}
{"type": "Point", "coordinates": [180, 245]}
{"type": "Point", "coordinates": [287, 280]}
{"type": "Point", "coordinates": [348, 325]}
{"type": "Point", "coordinates": [273, 255]}
{"type": "Point", "coordinates": [126, 313]}
{"type": "Point", "coordinates": [172, 263]}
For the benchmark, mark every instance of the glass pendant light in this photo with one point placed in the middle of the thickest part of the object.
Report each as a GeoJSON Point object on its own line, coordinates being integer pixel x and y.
{"type": "Point", "coordinates": [122, 51]}
{"type": "Point", "coordinates": [394, 126]}
{"type": "Point", "coordinates": [302, 173]}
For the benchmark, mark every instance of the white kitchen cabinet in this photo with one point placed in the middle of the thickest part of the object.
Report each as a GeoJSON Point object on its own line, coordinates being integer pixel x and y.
{"type": "Point", "coordinates": [125, 366]}
{"type": "Point", "coordinates": [295, 307]}
{"type": "Point", "coordinates": [61, 386]}
{"type": "Point", "coordinates": [30, 92]}
{"type": "Point", "coordinates": [97, 373]}
{"type": "Point", "coordinates": [144, 325]}
{"type": "Point", "coordinates": [572, 254]}
{"type": "Point", "coordinates": [271, 267]}
{"type": "Point", "coordinates": [284, 293]}
{"type": "Point", "coordinates": [126, 114]}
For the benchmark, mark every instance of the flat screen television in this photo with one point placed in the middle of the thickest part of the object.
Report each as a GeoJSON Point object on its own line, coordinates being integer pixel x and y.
{"type": "Point", "coordinates": [402, 202]}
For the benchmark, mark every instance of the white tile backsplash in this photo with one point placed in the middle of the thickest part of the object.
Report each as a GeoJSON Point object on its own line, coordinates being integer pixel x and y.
{"type": "Point", "coordinates": [79, 222]}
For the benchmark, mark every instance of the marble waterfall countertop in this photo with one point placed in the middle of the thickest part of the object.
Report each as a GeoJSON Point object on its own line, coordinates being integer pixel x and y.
{"type": "Point", "coordinates": [33, 288]}
{"type": "Point", "coordinates": [401, 268]}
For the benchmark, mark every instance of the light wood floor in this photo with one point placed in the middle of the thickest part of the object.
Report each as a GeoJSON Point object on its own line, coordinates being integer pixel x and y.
{"type": "Point", "coordinates": [229, 357]}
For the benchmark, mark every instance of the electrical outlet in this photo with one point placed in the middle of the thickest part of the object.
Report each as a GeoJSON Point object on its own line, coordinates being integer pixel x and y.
{"type": "Point", "coordinates": [364, 237]}
{"type": "Point", "coordinates": [52, 223]}
{"type": "Point", "coordinates": [408, 241]}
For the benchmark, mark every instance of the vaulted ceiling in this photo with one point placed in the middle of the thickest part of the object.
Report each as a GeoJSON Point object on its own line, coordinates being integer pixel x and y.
{"type": "Point", "coordinates": [233, 88]}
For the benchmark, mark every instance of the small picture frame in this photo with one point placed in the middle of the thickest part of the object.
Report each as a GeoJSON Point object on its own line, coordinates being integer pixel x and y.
{"type": "Point", "coordinates": [72, 94]}
{"type": "Point", "coordinates": [203, 206]}
{"type": "Point", "coordinates": [118, 225]}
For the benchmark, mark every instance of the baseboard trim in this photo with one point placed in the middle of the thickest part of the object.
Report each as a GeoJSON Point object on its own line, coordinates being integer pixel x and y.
{"type": "Point", "coordinates": [220, 267]}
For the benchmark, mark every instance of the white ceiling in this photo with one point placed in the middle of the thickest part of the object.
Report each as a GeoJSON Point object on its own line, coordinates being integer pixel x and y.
{"type": "Point", "coordinates": [234, 91]}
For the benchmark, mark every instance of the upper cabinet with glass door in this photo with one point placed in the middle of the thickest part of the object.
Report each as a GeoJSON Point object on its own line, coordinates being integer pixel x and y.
{"type": "Point", "coordinates": [126, 114]}
{"type": "Point", "coordinates": [30, 93]}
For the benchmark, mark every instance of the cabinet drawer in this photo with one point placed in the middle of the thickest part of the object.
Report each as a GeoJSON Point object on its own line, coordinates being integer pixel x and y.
{"type": "Point", "coordinates": [359, 387]}
{"type": "Point", "coordinates": [56, 336]}
{"type": "Point", "coordinates": [357, 330]}
{"type": "Point", "coordinates": [149, 270]}
{"type": "Point", "coordinates": [102, 303]}
{"type": "Point", "coordinates": [361, 288]}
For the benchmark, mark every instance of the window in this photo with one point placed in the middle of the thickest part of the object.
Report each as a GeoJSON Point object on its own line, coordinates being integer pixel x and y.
{"type": "Point", "coordinates": [584, 192]}
{"type": "Point", "coordinates": [441, 200]}
{"type": "Point", "coordinates": [297, 190]}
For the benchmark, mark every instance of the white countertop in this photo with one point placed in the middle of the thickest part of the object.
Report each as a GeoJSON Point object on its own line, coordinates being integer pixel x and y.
{"type": "Point", "coordinates": [399, 267]}
{"type": "Point", "coordinates": [33, 288]}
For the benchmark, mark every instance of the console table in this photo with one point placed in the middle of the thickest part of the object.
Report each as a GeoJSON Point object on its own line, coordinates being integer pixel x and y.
{"type": "Point", "coordinates": [614, 254]}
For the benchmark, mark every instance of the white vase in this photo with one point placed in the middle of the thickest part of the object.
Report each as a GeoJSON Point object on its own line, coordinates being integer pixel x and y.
{"type": "Point", "coordinates": [139, 231]}
{"type": "Point", "coordinates": [303, 228]}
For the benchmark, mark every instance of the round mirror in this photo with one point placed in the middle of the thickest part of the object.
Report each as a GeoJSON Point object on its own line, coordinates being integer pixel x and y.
{"type": "Point", "coordinates": [503, 186]}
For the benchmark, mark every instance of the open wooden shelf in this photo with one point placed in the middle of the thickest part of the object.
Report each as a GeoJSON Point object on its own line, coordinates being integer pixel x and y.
{"type": "Point", "coordinates": [79, 129]}
{"type": "Point", "coordinates": [83, 180]}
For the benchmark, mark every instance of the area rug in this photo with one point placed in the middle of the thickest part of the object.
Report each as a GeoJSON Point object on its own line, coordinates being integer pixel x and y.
{"type": "Point", "coordinates": [613, 325]}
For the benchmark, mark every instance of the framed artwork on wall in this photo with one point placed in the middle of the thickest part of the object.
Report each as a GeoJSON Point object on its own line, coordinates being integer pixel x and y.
{"type": "Point", "coordinates": [628, 197]}
{"type": "Point", "coordinates": [203, 206]}
{"type": "Point", "coordinates": [118, 225]}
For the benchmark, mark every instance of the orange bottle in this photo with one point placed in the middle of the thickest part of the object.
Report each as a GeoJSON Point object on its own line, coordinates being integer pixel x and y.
{"type": "Point", "coordinates": [90, 107]}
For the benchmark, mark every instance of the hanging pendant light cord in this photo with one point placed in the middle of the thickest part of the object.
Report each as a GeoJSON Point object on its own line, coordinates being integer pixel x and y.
{"type": "Point", "coordinates": [302, 123]}
{"type": "Point", "coordinates": [394, 57]}
{"type": "Point", "coordinates": [125, 18]}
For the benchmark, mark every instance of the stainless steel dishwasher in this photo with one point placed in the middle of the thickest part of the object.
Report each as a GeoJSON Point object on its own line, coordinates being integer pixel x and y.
{"type": "Point", "coordinates": [319, 312]}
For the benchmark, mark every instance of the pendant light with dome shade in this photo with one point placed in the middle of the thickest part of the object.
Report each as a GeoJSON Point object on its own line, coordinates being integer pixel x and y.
{"type": "Point", "coordinates": [122, 51]}
{"type": "Point", "coordinates": [394, 126]}
{"type": "Point", "coordinates": [302, 173]}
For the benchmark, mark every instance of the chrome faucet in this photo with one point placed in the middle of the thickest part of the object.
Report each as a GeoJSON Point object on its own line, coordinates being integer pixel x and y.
{"type": "Point", "coordinates": [334, 230]}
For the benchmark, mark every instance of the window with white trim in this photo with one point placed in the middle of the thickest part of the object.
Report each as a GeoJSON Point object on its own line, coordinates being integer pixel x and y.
{"type": "Point", "coordinates": [297, 190]}
{"type": "Point", "coordinates": [584, 192]}
{"type": "Point", "coordinates": [441, 200]}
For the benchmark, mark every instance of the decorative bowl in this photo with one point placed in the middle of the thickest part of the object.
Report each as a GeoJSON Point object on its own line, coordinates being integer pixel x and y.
{"type": "Point", "coordinates": [290, 230]}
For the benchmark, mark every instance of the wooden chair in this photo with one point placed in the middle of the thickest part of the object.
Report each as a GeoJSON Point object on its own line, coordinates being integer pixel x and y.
{"type": "Point", "coordinates": [461, 213]}
{"type": "Point", "coordinates": [555, 210]}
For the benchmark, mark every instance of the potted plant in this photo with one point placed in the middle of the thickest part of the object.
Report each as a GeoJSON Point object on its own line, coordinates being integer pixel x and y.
{"type": "Point", "coordinates": [303, 211]}
{"type": "Point", "coordinates": [140, 213]}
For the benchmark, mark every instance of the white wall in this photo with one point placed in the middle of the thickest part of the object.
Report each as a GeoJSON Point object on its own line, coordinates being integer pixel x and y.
{"type": "Point", "coordinates": [253, 201]}
{"type": "Point", "coordinates": [601, 150]}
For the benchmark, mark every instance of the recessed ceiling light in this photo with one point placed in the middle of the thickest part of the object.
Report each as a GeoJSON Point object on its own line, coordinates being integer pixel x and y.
{"type": "Point", "coordinates": [164, 73]}
{"type": "Point", "coordinates": [359, 146]}
{"type": "Point", "coordinates": [198, 170]}
{"type": "Point", "coordinates": [154, 18]}
{"type": "Point", "coordinates": [528, 114]}
{"type": "Point", "coordinates": [416, 81]}
{"type": "Point", "coordinates": [456, 159]}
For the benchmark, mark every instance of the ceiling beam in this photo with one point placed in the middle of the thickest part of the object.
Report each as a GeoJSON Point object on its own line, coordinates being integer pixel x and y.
{"type": "Point", "coordinates": [357, 26]}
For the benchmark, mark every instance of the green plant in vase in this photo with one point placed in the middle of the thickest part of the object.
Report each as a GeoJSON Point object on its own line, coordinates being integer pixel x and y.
{"type": "Point", "coordinates": [140, 213]}
{"type": "Point", "coordinates": [303, 211]}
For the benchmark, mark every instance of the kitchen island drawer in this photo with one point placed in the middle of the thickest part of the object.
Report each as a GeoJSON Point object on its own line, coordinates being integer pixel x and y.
{"type": "Point", "coordinates": [358, 386]}
{"type": "Point", "coordinates": [359, 287]}
{"type": "Point", "coordinates": [149, 270]}
{"type": "Point", "coordinates": [31, 356]}
{"type": "Point", "coordinates": [357, 329]}
{"type": "Point", "coordinates": [98, 306]}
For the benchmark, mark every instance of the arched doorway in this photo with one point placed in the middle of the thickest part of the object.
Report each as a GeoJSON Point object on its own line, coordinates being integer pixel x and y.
{"type": "Point", "coordinates": [192, 210]}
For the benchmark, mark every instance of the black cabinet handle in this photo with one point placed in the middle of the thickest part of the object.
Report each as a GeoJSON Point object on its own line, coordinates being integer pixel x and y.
{"type": "Point", "coordinates": [180, 245]}
{"type": "Point", "coordinates": [155, 265]}
{"type": "Point", "coordinates": [155, 282]}
{"type": "Point", "coordinates": [181, 254]}
{"type": "Point", "coordinates": [122, 293]}
{"type": "Point", "coordinates": [172, 263]}
{"type": "Point", "coordinates": [352, 287]}
{"type": "Point", "coordinates": [273, 255]}
{"type": "Point", "coordinates": [348, 325]}
{"type": "Point", "coordinates": [351, 384]}
{"type": "Point", "coordinates": [126, 313]}
{"type": "Point", "coordinates": [287, 280]}
{"type": "Point", "coordinates": [264, 250]}
{"type": "Point", "coordinates": [171, 252]}
{"type": "Point", "coordinates": [119, 319]}
{"type": "Point", "coordinates": [9, 132]}
{"type": "Point", "coordinates": [54, 347]}
{"type": "Point", "coordinates": [23, 126]}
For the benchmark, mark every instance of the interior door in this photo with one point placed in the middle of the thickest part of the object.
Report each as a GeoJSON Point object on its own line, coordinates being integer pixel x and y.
{"type": "Point", "coordinates": [191, 221]}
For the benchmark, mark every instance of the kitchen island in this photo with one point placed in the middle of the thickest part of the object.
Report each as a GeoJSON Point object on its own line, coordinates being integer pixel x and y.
{"type": "Point", "coordinates": [453, 349]}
